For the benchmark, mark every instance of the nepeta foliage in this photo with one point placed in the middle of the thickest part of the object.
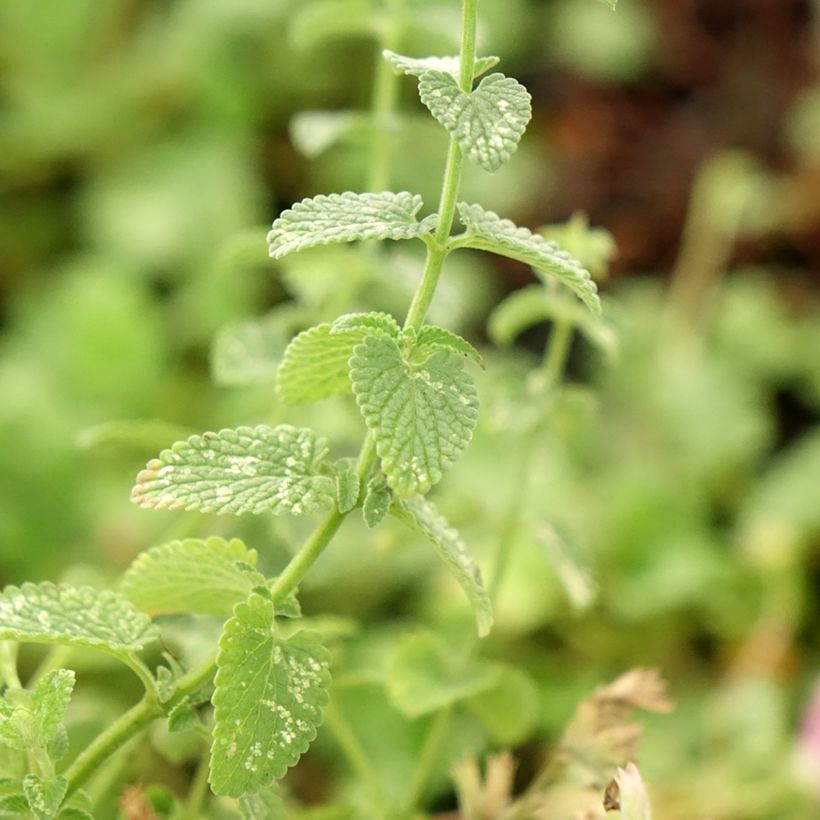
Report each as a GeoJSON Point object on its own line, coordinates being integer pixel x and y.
{"type": "Point", "coordinates": [413, 386]}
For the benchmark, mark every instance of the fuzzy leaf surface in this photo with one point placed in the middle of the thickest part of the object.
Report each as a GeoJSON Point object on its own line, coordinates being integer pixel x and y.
{"type": "Point", "coordinates": [79, 616]}
{"type": "Point", "coordinates": [347, 485]}
{"type": "Point", "coordinates": [192, 575]}
{"type": "Point", "coordinates": [268, 701]}
{"type": "Point", "coordinates": [416, 66]}
{"type": "Point", "coordinates": [243, 470]}
{"type": "Point", "coordinates": [424, 516]}
{"type": "Point", "coordinates": [44, 796]}
{"type": "Point", "coordinates": [431, 336]}
{"type": "Point", "coordinates": [487, 231]}
{"type": "Point", "coordinates": [424, 675]}
{"type": "Point", "coordinates": [376, 502]}
{"type": "Point", "coordinates": [366, 324]}
{"type": "Point", "coordinates": [487, 123]}
{"type": "Point", "coordinates": [421, 414]}
{"type": "Point", "coordinates": [347, 217]}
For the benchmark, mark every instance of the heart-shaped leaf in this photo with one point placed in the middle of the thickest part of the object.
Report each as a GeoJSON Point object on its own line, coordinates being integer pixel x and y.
{"type": "Point", "coordinates": [487, 123]}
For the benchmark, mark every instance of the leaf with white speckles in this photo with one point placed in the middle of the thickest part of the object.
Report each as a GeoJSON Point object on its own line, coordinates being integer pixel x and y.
{"type": "Point", "coordinates": [377, 501]}
{"type": "Point", "coordinates": [194, 575]}
{"type": "Point", "coordinates": [487, 231]}
{"type": "Point", "coordinates": [416, 66]}
{"type": "Point", "coordinates": [246, 470]}
{"type": "Point", "coordinates": [268, 701]}
{"type": "Point", "coordinates": [422, 515]}
{"type": "Point", "coordinates": [347, 484]}
{"type": "Point", "coordinates": [44, 796]}
{"type": "Point", "coordinates": [421, 413]}
{"type": "Point", "coordinates": [487, 123]}
{"type": "Point", "coordinates": [347, 217]}
{"type": "Point", "coordinates": [79, 616]}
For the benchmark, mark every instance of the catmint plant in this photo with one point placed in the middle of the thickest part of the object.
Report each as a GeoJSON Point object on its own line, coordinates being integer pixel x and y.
{"type": "Point", "coordinates": [413, 383]}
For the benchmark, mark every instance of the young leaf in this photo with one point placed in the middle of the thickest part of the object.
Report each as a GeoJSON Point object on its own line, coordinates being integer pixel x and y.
{"type": "Point", "coordinates": [437, 337]}
{"type": "Point", "coordinates": [347, 484]}
{"type": "Point", "coordinates": [79, 616]}
{"type": "Point", "coordinates": [570, 566]}
{"type": "Point", "coordinates": [182, 717]}
{"type": "Point", "coordinates": [313, 132]}
{"type": "Point", "coordinates": [422, 415]}
{"type": "Point", "coordinates": [249, 352]}
{"type": "Point", "coordinates": [270, 693]}
{"type": "Point", "coordinates": [246, 470]}
{"type": "Point", "coordinates": [193, 575]}
{"type": "Point", "coordinates": [377, 501]}
{"type": "Point", "coordinates": [44, 796]}
{"type": "Point", "coordinates": [511, 708]}
{"type": "Point", "coordinates": [265, 804]}
{"type": "Point", "coordinates": [422, 515]}
{"type": "Point", "coordinates": [347, 217]}
{"type": "Point", "coordinates": [416, 66]}
{"type": "Point", "coordinates": [486, 231]}
{"type": "Point", "coordinates": [12, 799]}
{"type": "Point", "coordinates": [425, 675]}
{"type": "Point", "coordinates": [367, 324]}
{"type": "Point", "coordinates": [487, 123]}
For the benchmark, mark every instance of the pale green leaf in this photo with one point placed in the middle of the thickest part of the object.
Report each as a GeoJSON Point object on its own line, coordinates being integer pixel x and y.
{"type": "Point", "coordinates": [425, 675]}
{"type": "Point", "coordinates": [315, 365]}
{"type": "Point", "coordinates": [487, 231]}
{"type": "Point", "coordinates": [421, 414]}
{"type": "Point", "coordinates": [570, 567]}
{"type": "Point", "coordinates": [511, 708]}
{"type": "Point", "coordinates": [12, 799]}
{"type": "Point", "coordinates": [347, 217]}
{"type": "Point", "coordinates": [487, 123]}
{"type": "Point", "coordinates": [314, 132]}
{"type": "Point", "coordinates": [416, 66]}
{"type": "Point", "coordinates": [74, 813]}
{"type": "Point", "coordinates": [249, 352]}
{"type": "Point", "coordinates": [376, 502]}
{"type": "Point", "coordinates": [193, 575]}
{"type": "Point", "coordinates": [265, 804]}
{"type": "Point", "coordinates": [423, 515]}
{"type": "Point", "coordinates": [268, 702]}
{"type": "Point", "coordinates": [50, 700]}
{"type": "Point", "coordinates": [437, 337]}
{"type": "Point", "coordinates": [79, 616]}
{"type": "Point", "coordinates": [594, 248]}
{"type": "Point", "coordinates": [347, 484]}
{"type": "Point", "coordinates": [244, 470]}
{"type": "Point", "coordinates": [44, 796]}
{"type": "Point", "coordinates": [366, 324]}
{"type": "Point", "coordinates": [181, 718]}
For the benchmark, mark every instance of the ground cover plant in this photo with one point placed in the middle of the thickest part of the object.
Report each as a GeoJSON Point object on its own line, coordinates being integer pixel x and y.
{"type": "Point", "coordinates": [312, 594]}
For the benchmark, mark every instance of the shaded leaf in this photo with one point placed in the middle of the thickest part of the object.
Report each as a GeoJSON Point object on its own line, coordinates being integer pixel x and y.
{"type": "Point", "coordinates": [510, 708]}
{"type": "Point", "coordinates": [377, 501]}
{"type": "Point", "coordinates": [489, 232]}
{"type": "Point", "coordinates": [347, 484]}
{"type": "Point", "coordinates": [487, 123]}
{"type": "Point", "coordinates": [423, 515]}
{"type": "Point", "coordinates": [421, 415]}
{"type": "Point", "coordinates": [245, 470]}
{"type": "Point", "coordinates": [268, 701]}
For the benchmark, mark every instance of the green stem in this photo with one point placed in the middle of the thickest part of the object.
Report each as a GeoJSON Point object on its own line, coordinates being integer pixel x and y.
{"type": "Point", "coordinates": [352, 750]}
{"type": "Point", "coordinates": [427, 760]}
{"type": "Point", "coordinates": [198, 790]}
{"type": "Point", "coordinates": [141, 671]}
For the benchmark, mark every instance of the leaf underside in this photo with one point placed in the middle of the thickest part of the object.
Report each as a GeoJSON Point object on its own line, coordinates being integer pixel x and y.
{"type": "Point", "coordinates": [347, 217]}
{"type": "Point", "coordinates": [243, 470]}
{"type": "Point", "coordinates": [192, 575]}
{"type": "Point", "coordinates": [79, 616]}
{"type": "Point", "coordinates": [487, 123]}
{"type": "Point", "coordinates": [422, 415]}
{"type": "Point", "coordinates": [268, 701]}
{"type": "Point", "coordinates": [423, 515]}
{"type": "Point", "coordinates": [416, 66]}
{"type": "Point", "coordinates": [487, 231]}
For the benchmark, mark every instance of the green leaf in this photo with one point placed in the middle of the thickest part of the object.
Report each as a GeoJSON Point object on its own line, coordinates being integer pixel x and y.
{"type": "Point", "coordinates": [431, 336]}
{"type": "Point", "coordinates": [265, 804]}
{"type": "Point", "coordinates": [487, 123]}
{"type": "Point", "coordinates": [425, 675]}
{"type": "Point", "coordinates": [594, 248]}
{"type": "Point", "coordinates": [422, 515]}
{"type": "Point", "coordinates": [270, 693]}
{"type": "Point", "coordinates": [347, 217]}
{"type": "Point", "coordinates": [367, 324]}
{"type": "Point", "coordinates": [314, 132]}
{"type": "Point", "coordinates": [570, 567]}
{"type": "Point", "coordinates": [12, 799]}
{"type": "Point", "coordinates": [347, 484]}
{"type": "Point", "coordinates": [44, 796]}
{"type": "Point", "coordinates": [486, 231]}
{"type": "Point", "coordinates": [248, 353]}
{"type": "Point", "coordinates": [416, 66]}
{"type": "Point", "coordinates": [246, 470]}
{"type": "Point", "coordinates": [377, 501]}
{"type": "Point", "coordinates": [182, 717]}
{"type": "Point", "coordinates": [510, 709]}
{"type": "Point", "coordinates": [193, 575]}
{"type": "Point", "coordinates": [79, 616]}
{"type": "Point", "coordinates": [422, 414]}
{"type": "Point", "coordinates": [50, 700]}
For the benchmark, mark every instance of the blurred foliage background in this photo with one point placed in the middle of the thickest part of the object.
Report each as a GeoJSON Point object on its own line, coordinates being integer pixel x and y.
{"type": "Point", "coordinates": [145, 146]}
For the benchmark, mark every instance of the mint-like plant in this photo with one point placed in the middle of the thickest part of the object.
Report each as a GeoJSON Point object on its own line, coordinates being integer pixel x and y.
{"type": "Point", "coordinates": [268, 680]}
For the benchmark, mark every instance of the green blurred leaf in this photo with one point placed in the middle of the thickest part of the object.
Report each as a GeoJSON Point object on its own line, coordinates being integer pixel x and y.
{"type": "Point", "coordinates": [246, 470]}
{"type": "Point", "coordinates": [264, 804]}
{"type": "Point", "coordinates": [487, 123]}
{"type": "Point", "coordinates": [268, 702]}
{"type": "Point", "coordinates": [347, 484]}
{"type": "Point", "coordinates": [511, 708]}
{"type": "Point", "coordinates": [431, 337]}
{"type": "Point", "coordinates": [377, 501]}
{"type": "Point", "coordinates": [44, 796]}
{"type": "Point", "coordinates": [249, 352]}
{"type": "Point", "coordinates": [416, 66]}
